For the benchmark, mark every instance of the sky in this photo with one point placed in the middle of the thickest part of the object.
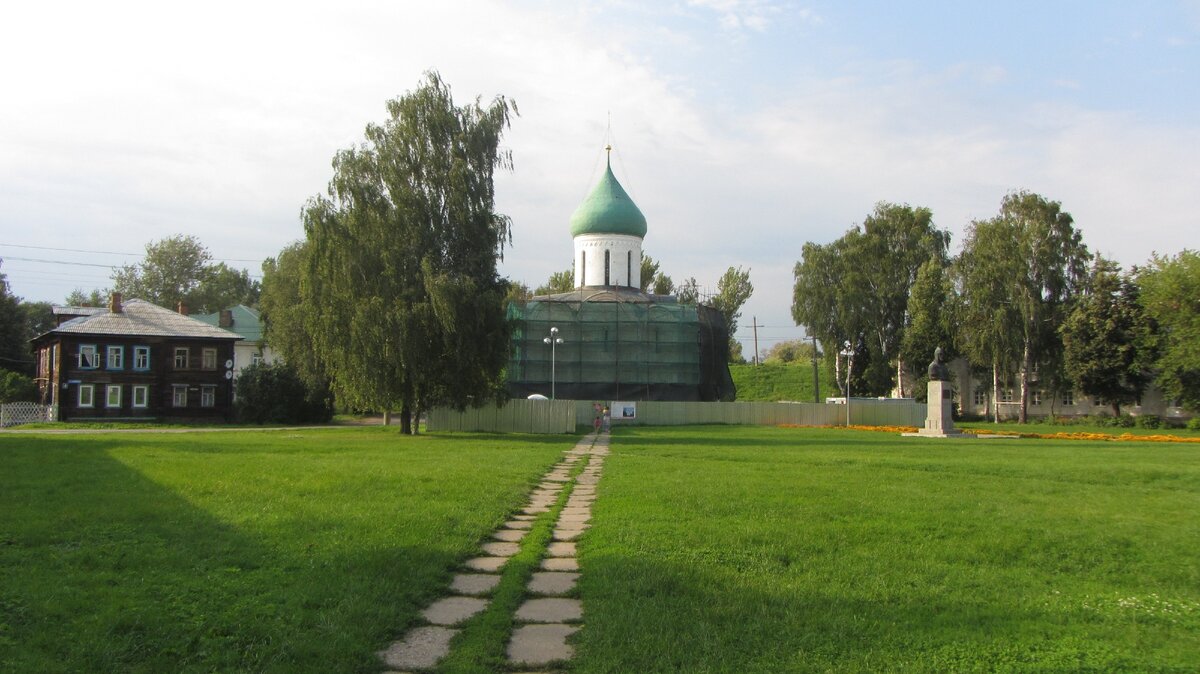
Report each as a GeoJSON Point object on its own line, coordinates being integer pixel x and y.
{"type": "Point", "coordinates": [742, 128]}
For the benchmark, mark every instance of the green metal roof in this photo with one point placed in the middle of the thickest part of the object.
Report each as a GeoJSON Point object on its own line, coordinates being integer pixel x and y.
{"type": "Point", "coordinates": [608, 210]}
{"type": "Point", "coordinates": [246, 322]}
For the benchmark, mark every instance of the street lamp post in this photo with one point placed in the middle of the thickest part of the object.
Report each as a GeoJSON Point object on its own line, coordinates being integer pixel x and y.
{"type": "Point", "coordinates": [553, 340]}
{"type": "Point", "coordinates": [849, 354]}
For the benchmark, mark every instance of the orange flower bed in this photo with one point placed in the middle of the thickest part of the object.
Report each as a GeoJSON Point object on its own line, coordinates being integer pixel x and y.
{"type": "Point", "coordinates": [1061, 435]}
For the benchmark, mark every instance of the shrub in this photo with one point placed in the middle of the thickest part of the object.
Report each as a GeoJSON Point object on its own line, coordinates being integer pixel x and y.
{"type": "Point", "coordinates": [1149, 421]}
{"type": "Point", "coordinates": [16, 387]}
{"type": "Point", "coordinates": [276, 394]}
{"type": "Point", "coordinates": [1193, 424]}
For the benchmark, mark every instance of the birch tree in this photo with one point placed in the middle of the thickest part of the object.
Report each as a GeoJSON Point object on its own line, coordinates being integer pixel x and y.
{"type": "Point", "coordinates": [402, 254]}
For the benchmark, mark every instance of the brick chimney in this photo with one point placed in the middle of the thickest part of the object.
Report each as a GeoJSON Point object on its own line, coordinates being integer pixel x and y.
{"type": "Point", "coordinates": [114, 304]}
{"type": "Point", "coordinates": [226, 319]}
{"type": "Point", "coordinates": [181, 308]}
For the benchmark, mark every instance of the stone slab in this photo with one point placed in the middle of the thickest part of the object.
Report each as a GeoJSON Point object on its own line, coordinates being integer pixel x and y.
{"type": "Point", "coordinates": [567, 534]}
{"type": "Point", "coordinates": [421, 648]}
{"type": "Point", "coordinates": [525, 518]}
{"type": "Point", "coordinates": [453, 610]}
{"type": "Point", "coordinates": [474, 583]}
{"type": "Point", "coordinates": [509, 535]}
{"type": "Point", "coordinates": [501, 549]}
{"type": "Point", "coordinates": [540, 645]}
{"type": "Point", "coordinates": [530, 510]}
{"type": "Point", "coordinates": [560, 564]}
{"type": "Point", "coordinates": [519, 524]}
{"type": "Point", "coordinates": [552, 582]}
{"type": "Point", "coordinates": [560, 549]}
{"type": "Point", "coordinates": [550, 610]}
{"type": "Point", "coordinates": [486, 564]}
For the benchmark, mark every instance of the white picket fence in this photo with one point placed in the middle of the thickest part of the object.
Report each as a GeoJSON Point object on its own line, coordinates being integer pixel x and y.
{"type": "Point", "coordinates": [14, 414]}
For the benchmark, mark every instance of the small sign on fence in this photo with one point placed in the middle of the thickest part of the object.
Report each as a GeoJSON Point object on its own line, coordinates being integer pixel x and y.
{"type": "Point", "coordinates": [624, 411]}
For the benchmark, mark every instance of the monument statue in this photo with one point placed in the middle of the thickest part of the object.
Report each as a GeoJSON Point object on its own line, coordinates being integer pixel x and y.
{"type": "Point", "coordinates": [937, 369]}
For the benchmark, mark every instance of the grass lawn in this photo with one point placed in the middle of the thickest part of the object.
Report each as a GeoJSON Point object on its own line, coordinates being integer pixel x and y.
{"type": "Point", "coordinates": [736, 549]}
{"type": "Point", "coordinates": [776, 381]}
{"type": "Point", "coordinates": [274, 551]}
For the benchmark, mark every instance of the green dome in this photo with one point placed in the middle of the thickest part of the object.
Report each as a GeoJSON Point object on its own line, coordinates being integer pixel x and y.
{"type": "Point", "coordinates": [608, 210]}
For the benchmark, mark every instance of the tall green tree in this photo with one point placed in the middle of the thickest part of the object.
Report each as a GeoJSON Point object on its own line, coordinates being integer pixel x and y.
{"type": "Point", "coordinates": [1170, 293]}
{"type": "Point", "coordinates": [14, 345]}
{"type": "Point", "coordinates": [931, 322]}
{"type": "Point", "coordinates": [689, 292]}
{"type": "Point", "coordinates": [1019, 273]}
{"type": "Point", "coordinates": [180, 269]}
{"type": "Point", "coordinates": [1106, 338]}
{"type": "Point", "coordinates": [649, 272]}
{"type": "Point", "coordinates": [559, 282]}
{"type": "Point", "coordinates": [663, 285]}
{"type": "Point", "coordinates": [987, 318]}
{"type": "Point", "coordinates": [733, 290]}
{"type": "Point", "coordinates": [93, 298]}
{"type": "Point", "coordinates": [401, 269]}
{"type": "Point", "coordinates": [857, 287]}
{"type": "Point", "coordinates": [288, 315]}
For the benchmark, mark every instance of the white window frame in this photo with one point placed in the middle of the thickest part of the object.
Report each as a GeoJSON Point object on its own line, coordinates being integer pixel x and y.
{"type": "Point", "coordinates": [109, 390]}
{"type": "Point", "coordinates": [1035, 396]}
{"type": "Point", "coordinates": [256, 359]}
{"type": "Point", "coordinates": [86, 395]}
{"type": "Point", "coordinates": [117, 363]}
{"type": "Point", "coordinates": [94, 360]}
{"type": "Point", "coordinates": [179, 395]}
{"type": "Point", "coordinates": [186, 353]}
{"type": "Point", "coordinates": [208, 359]}
{"type": "Point", "coordinates": [979, 398]}
{"type": "Point", "coordinates": [1068, 398]}
{"type": "Point", "coordinates": [208, 396]}
{"type": "Point", "coordinates": [141, 354]}
{"type": "Point", "coordinates": [141, 397]}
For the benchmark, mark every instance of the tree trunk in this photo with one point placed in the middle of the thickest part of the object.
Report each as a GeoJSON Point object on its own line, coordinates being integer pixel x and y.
{"type": "Point", "coordinates": [899, 378]}
{"type": "Point", "coordinates": [1026, 358]}
{"type": "Point", "coordinates": [387, 417]}
{"type": "Point", "coordinates": [1116, 410]}
{"type": "Point", "coordinates": [995, 393]}
{"type": "Point", "coordinates": [837, 372]}
{"type": "Point", "coordinates": [406, 420]}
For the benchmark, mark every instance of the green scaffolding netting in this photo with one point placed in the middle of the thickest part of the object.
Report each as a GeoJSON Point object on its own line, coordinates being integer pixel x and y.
{"type": "Point", "coordinates": [619, 345]}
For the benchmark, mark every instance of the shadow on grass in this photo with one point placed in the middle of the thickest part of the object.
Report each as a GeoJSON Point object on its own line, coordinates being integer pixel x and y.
{"type": "Point", "coordinates": [103, 569]}
{"type": "Point", "coordinates": [650, 615]}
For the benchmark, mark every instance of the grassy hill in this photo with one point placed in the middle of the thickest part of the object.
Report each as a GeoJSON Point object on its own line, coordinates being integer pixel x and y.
{"type": "Point", "coordinates": [776, 381]}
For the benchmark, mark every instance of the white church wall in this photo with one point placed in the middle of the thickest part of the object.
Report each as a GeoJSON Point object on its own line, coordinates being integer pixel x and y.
{"type": "Point", "coordinates": [624, 260]}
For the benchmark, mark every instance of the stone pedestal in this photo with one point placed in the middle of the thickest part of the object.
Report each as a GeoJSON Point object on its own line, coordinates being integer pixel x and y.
{"type": "Point", "coordinates": [939, 419]}
{"type": "Point", "coordinates": [939, 414]}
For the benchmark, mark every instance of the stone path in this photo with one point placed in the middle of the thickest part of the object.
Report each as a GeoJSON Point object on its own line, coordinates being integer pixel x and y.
{"type": "Point", "coordinates": [549, 616]}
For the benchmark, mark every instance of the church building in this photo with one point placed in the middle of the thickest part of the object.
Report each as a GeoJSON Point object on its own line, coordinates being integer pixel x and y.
{"type": "Point", "coordinates": [617, 341]}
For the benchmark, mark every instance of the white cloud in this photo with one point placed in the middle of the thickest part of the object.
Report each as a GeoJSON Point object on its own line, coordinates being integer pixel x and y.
{"type": "Point", "coordinates": [164, 119]}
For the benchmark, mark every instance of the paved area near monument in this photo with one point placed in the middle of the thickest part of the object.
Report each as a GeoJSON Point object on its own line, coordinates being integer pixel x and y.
{"type": "Point", "coordinates": [547, 618]}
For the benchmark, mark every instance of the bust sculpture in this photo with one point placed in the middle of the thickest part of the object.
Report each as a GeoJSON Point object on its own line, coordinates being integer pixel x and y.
{"type": "Point", "coordinates": [937, 369]}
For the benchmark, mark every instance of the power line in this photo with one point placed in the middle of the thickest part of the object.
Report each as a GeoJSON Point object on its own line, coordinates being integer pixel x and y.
{"type": "Point", "coordinates": [77, 264]}
{"type": "Point", "coordinates": [70, 250]}
{"type": "Point", "coordinates": [109, 252]}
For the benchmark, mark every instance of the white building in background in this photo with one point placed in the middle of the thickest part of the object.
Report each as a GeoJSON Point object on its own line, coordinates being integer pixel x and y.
{"type": "Point", "coordinates": [244, 321]}
{"type": "Point", "coordinates": [975, 397]}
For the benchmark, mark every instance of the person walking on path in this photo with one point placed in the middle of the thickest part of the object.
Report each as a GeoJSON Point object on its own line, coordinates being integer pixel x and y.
{"type": "Point", "coordinates": [607, 420]}
{"type": "Point", "coordinates": [596, 420]}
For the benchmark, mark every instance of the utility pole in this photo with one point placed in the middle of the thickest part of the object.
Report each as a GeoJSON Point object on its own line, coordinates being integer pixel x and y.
{"type": "Point", "coordinates": [816, 381]}
{"type": "Point", "coordinates": [754, 324]}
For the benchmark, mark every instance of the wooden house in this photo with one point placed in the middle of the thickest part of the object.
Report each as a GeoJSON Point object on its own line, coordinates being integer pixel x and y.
{"type": "Point", "coordinates": [136, 360]}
